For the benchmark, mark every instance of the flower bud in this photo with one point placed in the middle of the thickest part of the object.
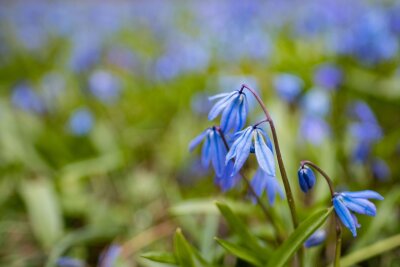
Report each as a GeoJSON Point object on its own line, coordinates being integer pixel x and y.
{"type": "Point", "coordinates": [306, 178]}
{"type": "Point", "coordinates": [315, 239]}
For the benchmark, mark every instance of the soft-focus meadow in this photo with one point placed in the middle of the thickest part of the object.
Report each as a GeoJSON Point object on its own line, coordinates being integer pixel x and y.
{"type": "Point", "coordinates": [100, 99]}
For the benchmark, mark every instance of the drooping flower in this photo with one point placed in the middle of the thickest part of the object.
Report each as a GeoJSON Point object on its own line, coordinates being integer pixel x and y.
{"type": "Point", "coordinates": [317, 238]}
{"type": "Point", "coordinates": [234, 109]}
{"type": "Point", "coordinates": [306, 178]}
{"type": "Point", "coordinates": [345, 203]}
{"type": "Point", "coordinates": [213, 149]}
{"type": "Point", "coordinates": [241, 147]}
{"type": "Point", "coordinates": [288, 86]}
{"type": "Point", "coordinates": [262, 181]}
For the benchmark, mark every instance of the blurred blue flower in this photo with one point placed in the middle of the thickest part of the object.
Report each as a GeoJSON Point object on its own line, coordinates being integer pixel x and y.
{"type": "Point", "coordinates": [314, 130]}
{"type": "Point", "coordinates": [213, 149]}
{"type": "Point", "coordinates": [362, 112]}
{"type": "Point", "coordinates": [69, 262]}
{"type": "Point", "coordinates": [345, 203]}
{"type": "Point", "coordinates": [366, 131]}
{"type": "Point", "coordinates": [328, 76]}
{"type": "Point", "coordinates": [316, 102]}
{"type": "Point", "coordinates": [288, 86]}
{"type": "Point", "coordinates": [109, 257]}
{"type": "Point", "coordinates": [361, 151]}
{"type": "Point", "coordinates": [104, 85]}
{"type": "Point", "coordinates": [262, 181]}
{"type": "Point", "coordinates": [240, 149]}
{"type": "Point", "coordinates": [380, 169]}
{"type": "Point", "coordinates": [86, 51]}
{"type": "Point", "coordinates": [81, 122]}
{"type": "Point", "coordinates": [316, 239]}
{"type": "Point", "coordinates": [306, 178]}
{"type": "Point", "coordinates": [25, 98]}
{"type": "Point", "coordinates": [234, 109]}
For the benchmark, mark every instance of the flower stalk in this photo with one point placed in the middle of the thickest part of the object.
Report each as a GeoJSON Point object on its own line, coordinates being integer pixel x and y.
{"type": "Point", "coordinates": [337, 222]}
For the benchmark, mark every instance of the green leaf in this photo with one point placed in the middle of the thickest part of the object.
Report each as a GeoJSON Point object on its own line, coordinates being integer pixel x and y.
{"type": "Point", "coordinates": [43, 209]}
{"type": "Point", "coordinates": [370, 251]}
{"type": "Point", "coordinates": [185, 254]}
{"type": "Point", "coordinates": [246, 237]}
{"type": "Point", "coordinates": [240, 252]}
{"type": "Point", "coordinates": [158, 256]}
{"type": "Point", "coordinates": [298, 237]}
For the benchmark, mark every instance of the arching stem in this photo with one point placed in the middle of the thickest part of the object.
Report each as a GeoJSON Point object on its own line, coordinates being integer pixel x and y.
{"type": "Point", "coordinates": [337, 222]}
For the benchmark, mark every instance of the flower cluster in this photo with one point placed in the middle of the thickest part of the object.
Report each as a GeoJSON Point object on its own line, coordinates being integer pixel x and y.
{"type": "Point", "coordinates": [228, 146]}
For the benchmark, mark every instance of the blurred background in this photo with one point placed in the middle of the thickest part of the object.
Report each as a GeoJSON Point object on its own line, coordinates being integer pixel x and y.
{"type": "Point", "coordinates": [99, 100]}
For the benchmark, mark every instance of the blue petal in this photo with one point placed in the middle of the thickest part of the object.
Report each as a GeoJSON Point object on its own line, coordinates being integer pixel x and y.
{"type": "Point", "coordinates": [221, 95]}
{"type": "Point", "coordinates": [206, 153]}
{"type": "Point", "coordinates": [220, 106]}
{"type": "Point", "coordinates": [258, 183]}
{"type": "Point", "coordinates": [264, 155]}
{"type": "Point", "coordinates": [218, 153]}
{"type": "Point", "coordinates": [226, 181]}
{"type": "Point", "coordinates": [239, 138]}
{"type": "Point", "coordinates": [302, 180]}
{"type": "Point", "coordinates": [364, 194]}
{"type": "Point", "coordinates": [344, 215]}
{"type": "Point", "coordinates": [273, 187]}
{"type": "Point", "coordinates": [228, 118]}
{"type": "Point", "coordinates": [243, 111]}
{"type": "Point", "coordinates": [197, 140]}
{"type": "Point", "coordinates": [242, 151]}
{"type": "Point", "coordinates": [359, 205]}
{"type": "Point", "coordinates": [269, 143]}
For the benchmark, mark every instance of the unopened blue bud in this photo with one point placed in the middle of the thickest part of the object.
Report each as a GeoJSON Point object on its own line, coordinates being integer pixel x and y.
{"type": "Point", "coordinates": [306, 178]}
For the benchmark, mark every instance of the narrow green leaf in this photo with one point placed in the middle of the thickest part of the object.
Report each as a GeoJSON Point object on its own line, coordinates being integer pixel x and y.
{"type": "Point", "coordinates": [185, 254]}
{"type": "Point", "coordinates": [240, 252]}
{"type": "Point", "coordinates": [298, 237]}
{"type": "Point", "coordinates": [43, 209]}
{"type": "Point", "coordinates": [158, 256]}
{"type": "Point", "coordinates": [370, 251]}
{"type": "Point", "coordinates": [238, 227]}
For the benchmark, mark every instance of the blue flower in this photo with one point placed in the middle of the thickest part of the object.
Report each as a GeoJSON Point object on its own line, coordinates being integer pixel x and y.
{"type": "Point", "coordinates": [104, 86]}
{"type": "Point", "coordinates": [262, 181]}
{"type": "Point", "coordinates": [306, 178]}
{"type": "Point", "coordinates": [315, 239]}
{"type": "Point", "coordinates": [347, 202]}
{"type": "Point", "coordinates": [328, 76]}
{"type": "Point", "coordinates": [234, 109]}
{"type": "Point", "coordinates": [288, 86]}
{"type": "Point", "coordinates": [241, 148]}
{"type": "Point", "coordinates": [81, 122]}
{"type": "Point", "coordinates": [25, 98]}
{"type": "Point", "coordinates": [316, 102]}
{"type": "Point", "coordinates": [314, 129]}
{"type": "Point", "coordinates": [213, 149]}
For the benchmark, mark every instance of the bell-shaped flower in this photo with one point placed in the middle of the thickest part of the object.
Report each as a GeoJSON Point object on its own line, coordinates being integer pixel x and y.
{"type": "Point", "coordinates": [241, 148]}
{"type": "Point", "coordinates": [234, 109]}
{"type": "Point", "coordinates": [213, 149]}
{"type": "Point", "coordinates": [317, 238]}
{"type": "Point", "coordinates": [345, 203]}
{"type": "Point", "coordinates": [306, 178]}
{"type": "Point", "coordinates": [262, 181]}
